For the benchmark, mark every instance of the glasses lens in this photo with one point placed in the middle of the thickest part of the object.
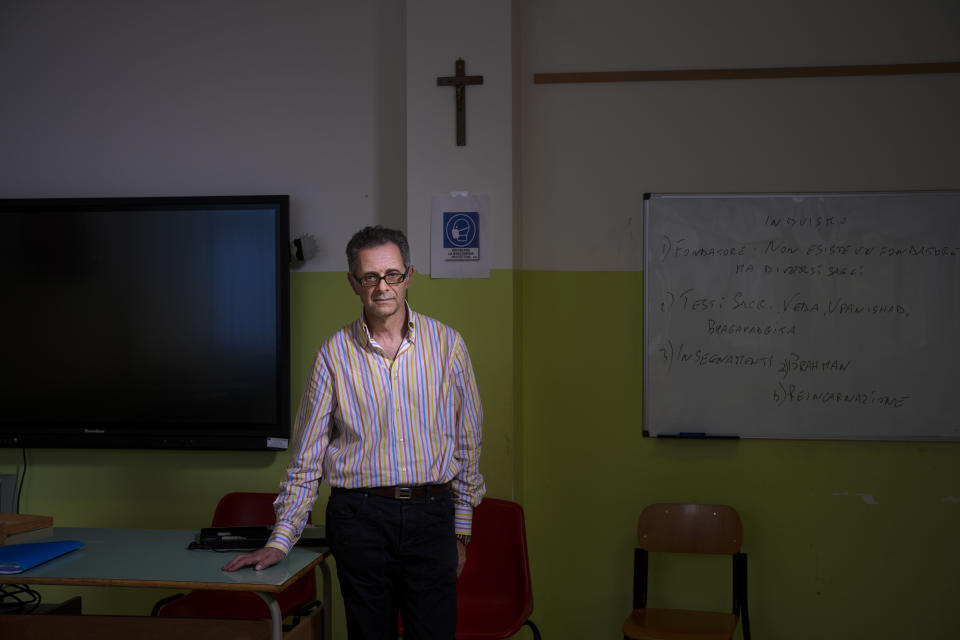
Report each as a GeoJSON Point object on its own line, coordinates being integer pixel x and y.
{"type": "Point", "coordinates": [393, 277]}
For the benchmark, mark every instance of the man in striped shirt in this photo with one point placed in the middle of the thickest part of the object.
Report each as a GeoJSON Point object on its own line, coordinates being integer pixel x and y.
{"type": "Point", "coordinates": [391, 417]}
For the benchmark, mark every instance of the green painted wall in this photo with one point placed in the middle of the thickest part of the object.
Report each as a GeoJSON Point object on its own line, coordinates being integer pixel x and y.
{"type": "Point", "coordinates": [558, 356]}
{"type": "Point", "coordinates": [822, 565]}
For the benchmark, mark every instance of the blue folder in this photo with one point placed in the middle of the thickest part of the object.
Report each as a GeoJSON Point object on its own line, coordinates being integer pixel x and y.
{"type": "Point", "coordinates": [16, 558]}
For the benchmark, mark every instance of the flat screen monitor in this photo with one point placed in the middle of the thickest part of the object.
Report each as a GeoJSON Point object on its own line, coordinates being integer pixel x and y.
{"type": "Point", "coordinates": [145, 322]}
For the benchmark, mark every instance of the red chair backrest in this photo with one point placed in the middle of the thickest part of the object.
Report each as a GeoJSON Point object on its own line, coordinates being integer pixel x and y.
{"type": "Point", "coordinates": [497, 572]}
{"type": "Point", "coordinates": [249, 509]}
{"type": "Point", "coordinates": [494, 594]}
{"type": "Point", "coordinates": [245, 509]}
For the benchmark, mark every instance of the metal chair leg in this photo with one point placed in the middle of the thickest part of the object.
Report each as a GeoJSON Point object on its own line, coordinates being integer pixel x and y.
{"type": "Point", "coordinates": [533, 627]}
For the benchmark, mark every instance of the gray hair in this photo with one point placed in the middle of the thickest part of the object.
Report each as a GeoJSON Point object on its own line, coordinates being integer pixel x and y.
{"type": "Point", "coordinates": [377, 236]}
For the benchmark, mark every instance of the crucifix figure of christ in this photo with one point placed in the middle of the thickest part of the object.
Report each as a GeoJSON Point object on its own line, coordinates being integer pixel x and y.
{"type": "Point", "coordinates": [460, 81]}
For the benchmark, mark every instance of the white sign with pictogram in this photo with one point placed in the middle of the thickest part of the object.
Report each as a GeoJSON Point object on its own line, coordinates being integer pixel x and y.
{"type": "Point", "coordinates": [458, 235]}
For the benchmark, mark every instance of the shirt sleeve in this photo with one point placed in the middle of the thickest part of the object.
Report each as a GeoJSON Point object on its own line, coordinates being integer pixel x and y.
{"type": "Point", "coordinates": [468, 485]}
{"type": "Point", "coordinates": [299, 489]}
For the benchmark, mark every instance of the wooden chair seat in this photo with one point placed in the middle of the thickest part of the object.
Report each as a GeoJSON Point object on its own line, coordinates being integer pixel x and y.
{"type": "Point", "coordinates": [679, 624]}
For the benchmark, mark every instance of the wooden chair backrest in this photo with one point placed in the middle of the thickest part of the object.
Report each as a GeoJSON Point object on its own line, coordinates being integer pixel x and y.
{"type": "Point", "coordinates": [690, 528]}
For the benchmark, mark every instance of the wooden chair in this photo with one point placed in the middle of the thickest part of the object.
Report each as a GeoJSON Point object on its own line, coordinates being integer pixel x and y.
{"type": "Point", "coordinates": [688, 528]}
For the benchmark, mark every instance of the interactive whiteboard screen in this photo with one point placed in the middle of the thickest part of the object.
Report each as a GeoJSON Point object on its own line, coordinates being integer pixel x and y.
{"type": "Point", "coordinates": [803, 316]}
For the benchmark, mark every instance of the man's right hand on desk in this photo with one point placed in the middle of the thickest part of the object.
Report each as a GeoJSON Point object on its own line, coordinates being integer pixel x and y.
{"type": "Point", "coordinates": [260, 559]}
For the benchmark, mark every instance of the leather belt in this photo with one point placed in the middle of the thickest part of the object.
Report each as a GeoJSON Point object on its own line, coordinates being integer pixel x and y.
{"type": "Point", "coordinates": [406, 493]}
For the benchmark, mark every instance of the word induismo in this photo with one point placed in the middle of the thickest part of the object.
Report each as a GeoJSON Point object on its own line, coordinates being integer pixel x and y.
{"type": "Point", "coordinates": [804, 221]}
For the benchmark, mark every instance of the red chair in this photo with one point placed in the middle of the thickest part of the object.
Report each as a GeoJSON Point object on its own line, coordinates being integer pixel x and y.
{"type": "Point", "coordinates": [494, 595]}
{"type": "Point", "coordinates": [299, 599]}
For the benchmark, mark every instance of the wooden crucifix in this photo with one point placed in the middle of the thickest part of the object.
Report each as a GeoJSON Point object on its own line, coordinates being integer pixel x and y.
{"type": "Point", "coordinates": [460, 81]}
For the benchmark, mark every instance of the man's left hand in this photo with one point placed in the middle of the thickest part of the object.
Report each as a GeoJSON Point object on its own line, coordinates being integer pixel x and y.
{"type": "Point", "coordinates": [461, 557]}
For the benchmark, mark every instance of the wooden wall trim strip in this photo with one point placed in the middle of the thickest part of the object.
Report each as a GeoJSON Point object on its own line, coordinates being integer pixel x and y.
{"type": "Point", "coordinates": [747, 74]}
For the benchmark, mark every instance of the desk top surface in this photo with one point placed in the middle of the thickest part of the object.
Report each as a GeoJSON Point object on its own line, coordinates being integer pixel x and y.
{"type": "Point", "coordinates": [156, 558]}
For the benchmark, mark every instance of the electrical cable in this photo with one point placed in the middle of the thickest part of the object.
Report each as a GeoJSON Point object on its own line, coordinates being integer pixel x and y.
{"type": "Point", "coordinates": [18, 598]}
{"type": "Point", "coordinates": [23, 480]}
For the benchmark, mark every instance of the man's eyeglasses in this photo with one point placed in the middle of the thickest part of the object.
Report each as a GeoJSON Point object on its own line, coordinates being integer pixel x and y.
{"type": "Point", "coordinates": [372, 280]}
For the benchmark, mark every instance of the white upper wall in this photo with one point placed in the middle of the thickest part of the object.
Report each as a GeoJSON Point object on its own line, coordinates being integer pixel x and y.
{"type": "Point", "coordinates": [590, 151]}
{"type": "Point", "coordinates": [439, 32]}
{"type": "Point", "coordinates": [132, 98]}
{"type": "Point", "coordinates": [332, 102]}
{"type": "Point", "coordinates": [335, 102]}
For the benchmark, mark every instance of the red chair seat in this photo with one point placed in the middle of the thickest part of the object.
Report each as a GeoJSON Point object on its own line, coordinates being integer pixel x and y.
{"type": "Point", "coordinates": [486, 618]}
{"type": "Point", "coordinates": [240, 605]}
{"type": "Point", "coordinates": [218, 604]}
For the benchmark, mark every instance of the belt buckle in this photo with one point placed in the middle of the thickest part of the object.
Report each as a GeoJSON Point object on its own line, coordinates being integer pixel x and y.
{"type": "Point", "coordinates": [403, 493]}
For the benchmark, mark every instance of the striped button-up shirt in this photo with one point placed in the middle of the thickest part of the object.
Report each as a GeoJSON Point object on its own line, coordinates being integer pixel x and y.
{"type": "Point", "coordinates": [368, 421]}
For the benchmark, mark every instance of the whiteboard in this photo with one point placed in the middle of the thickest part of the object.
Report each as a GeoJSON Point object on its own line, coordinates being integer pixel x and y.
{"type": "Point", "coordinates": [828, 316]}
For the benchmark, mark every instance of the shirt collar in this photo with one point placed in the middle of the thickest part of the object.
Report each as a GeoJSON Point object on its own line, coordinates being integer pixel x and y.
{"type": "Point", "coordinates": [363, 331]}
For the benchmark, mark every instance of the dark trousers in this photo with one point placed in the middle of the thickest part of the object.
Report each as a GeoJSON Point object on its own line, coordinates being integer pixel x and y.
{"type": "Point", "coordinates": [395, 555]}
